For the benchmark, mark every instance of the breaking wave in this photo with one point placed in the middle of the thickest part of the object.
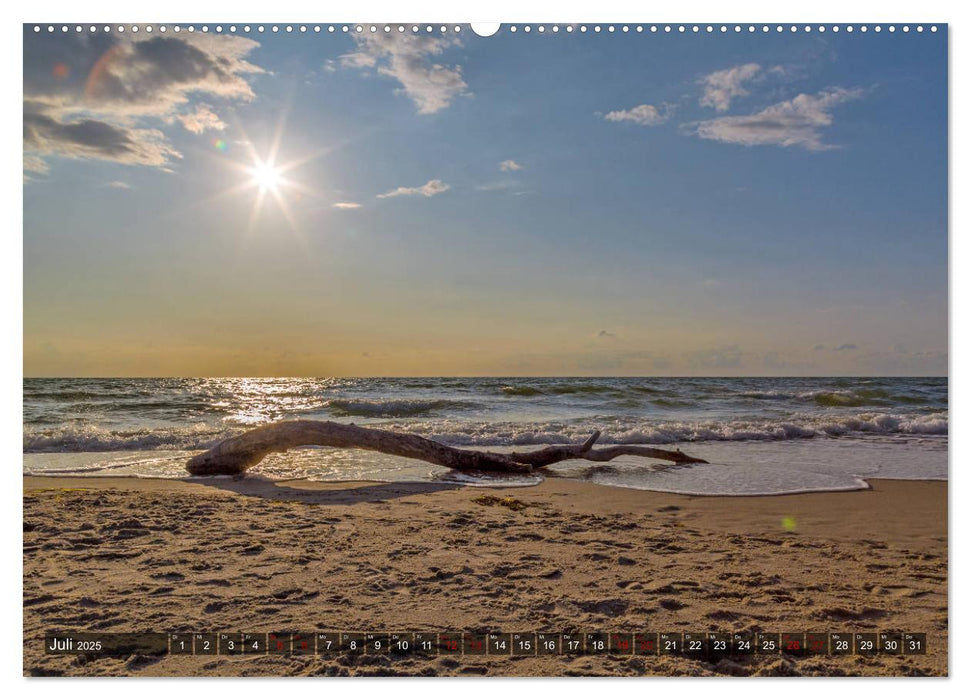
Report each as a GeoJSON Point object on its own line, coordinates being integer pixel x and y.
{"type": "Point", "coordinates": [95, 438]}
{"type": "Point", "coordinates": [616, 430]}
{"type": "Point", "coordinates": [636, 432]}
{"type": "Point", "coordinates": [394, 408]}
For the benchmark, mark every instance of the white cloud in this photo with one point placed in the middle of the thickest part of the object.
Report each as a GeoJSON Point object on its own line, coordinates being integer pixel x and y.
{"type": "Point", "coordinates": [429, 189]}
{"type": "Point", "coordinates": [202, 119]}
{"type": "Point", "coordinates": [119, 185]}
{"type": "Point", "coordinates": [35, 164]}
{"type": "Point", "coordinates": [509, 165]}
{"type": "Point", "coordinates": [132, 79]}
{"type": "Point", "coordinates": [346, 205]}
{"type": "Point", "coordinates": [643, 115]}
{"type": "Point", "coordinates": [408, 59]}
{"type": "Point", "coordinates": [721, 87]}
{"type": "Point", "coordinates": [795, 122]}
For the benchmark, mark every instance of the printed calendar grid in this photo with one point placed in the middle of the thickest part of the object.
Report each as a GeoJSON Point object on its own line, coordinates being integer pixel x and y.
{"type": "Point", "coordinates": [699, 645]}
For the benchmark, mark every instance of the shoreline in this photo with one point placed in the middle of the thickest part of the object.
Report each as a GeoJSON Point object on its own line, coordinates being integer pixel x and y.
{"type": "Point", "coordinates": [125, 554]}
{"type": "Point", "coordinates": [257, 478]}
{"type": "Point", "coordinates": [762, 468]}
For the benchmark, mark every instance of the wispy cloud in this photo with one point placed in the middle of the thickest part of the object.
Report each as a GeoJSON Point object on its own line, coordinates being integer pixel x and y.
{"type": "Point", "coordinates": [408, 58]}
{"type": "Point", "coordinates": [133, 83]}
{"type": "Point", "coordinates": [429, 189]}
{"type": "Point", "coordinates": [846, 346]}
{"type": "Point", "coordinates": [202, 119]}
{"type": "Point", "coordinates": [509, 166]}
{"type": "Point", "coordinates": [119, 185]}
{"type": "Point", "coordinates": [345, 205]}
{"type": "Point", "coordinates": [721, 87]}
{"type": "Point", "coordinates": [642, 115]}
{"type": "Point", "coordinates": [796, 122]}
{"type": "Point", "coordinates": [35, 164]}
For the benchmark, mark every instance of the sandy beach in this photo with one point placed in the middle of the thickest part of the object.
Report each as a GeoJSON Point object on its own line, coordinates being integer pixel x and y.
{"type": "Point", "coordinates": [125, 554]}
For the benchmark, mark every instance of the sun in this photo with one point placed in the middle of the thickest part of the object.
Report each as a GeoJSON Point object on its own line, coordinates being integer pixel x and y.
{"type": "Point", "coordinates": [269, 179]}
{"type": "Point", "coordinates": [266, 176]}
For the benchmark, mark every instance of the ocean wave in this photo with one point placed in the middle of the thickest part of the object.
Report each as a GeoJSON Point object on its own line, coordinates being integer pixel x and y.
{"type": "Point", "coordinates": [562, 390]}
{"type": "Point", "coordinates": [95, 438]}
{"type": "Point", "coordinates": [770, 395]}
{"type": "Point", "coordinates": [583, 388]}
{"type": "Point", "coordinates": [84, 395]}
{"type": "Point", "coordinates": [850, 398]}
{"type": "Point", "coordinates": [841, 398]}
{"type": "Point", "coordinates": [570, 389]}
{"type": "Point", "coordinates": [394, 408]}
{"type": "Point", "coordinates": [671, 403]}
{"type": "Point", "coordinates": [933, 424]}
{"type": "Point", "coordinates": [615, 430]}
{"type": "Point", "coordinates": [521, 391]}
{"type": "Point", "coordinates": [634, 431]}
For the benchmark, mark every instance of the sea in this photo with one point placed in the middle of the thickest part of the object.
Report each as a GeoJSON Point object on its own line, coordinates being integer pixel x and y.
{"type": "Point", "coordinates": [759, 435]}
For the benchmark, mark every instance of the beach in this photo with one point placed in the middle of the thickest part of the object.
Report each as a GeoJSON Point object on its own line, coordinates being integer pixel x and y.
{"type": "Point", "coordinates": [120, 554]}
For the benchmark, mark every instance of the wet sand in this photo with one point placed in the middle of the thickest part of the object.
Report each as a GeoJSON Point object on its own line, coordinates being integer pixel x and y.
{"type": "Point", "coordinates": [223, 555]}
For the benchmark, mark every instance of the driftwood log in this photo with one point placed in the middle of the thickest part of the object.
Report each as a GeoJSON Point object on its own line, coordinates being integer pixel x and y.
{"type": "Point", "coordinates": [236, 454]}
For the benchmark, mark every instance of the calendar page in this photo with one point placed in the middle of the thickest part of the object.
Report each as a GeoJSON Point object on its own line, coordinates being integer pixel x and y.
{"type": "Point", "coordinates": [523, 349]}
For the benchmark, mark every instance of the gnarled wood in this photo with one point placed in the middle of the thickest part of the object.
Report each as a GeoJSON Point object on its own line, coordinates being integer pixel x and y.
{"type": "Point", "coordinates": [235, 455]}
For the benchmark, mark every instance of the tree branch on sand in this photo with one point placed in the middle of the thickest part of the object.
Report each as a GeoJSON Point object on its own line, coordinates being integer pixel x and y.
{"type": "Point", "coordinates": [236, 454]}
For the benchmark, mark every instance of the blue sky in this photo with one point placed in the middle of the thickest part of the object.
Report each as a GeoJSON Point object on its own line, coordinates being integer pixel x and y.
{"type": "Point", "coordinates": [519, 204]}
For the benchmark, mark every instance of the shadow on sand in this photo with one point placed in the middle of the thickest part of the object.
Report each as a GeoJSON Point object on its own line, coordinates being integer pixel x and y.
{"type": "Point", "coordinates": [321, 492]}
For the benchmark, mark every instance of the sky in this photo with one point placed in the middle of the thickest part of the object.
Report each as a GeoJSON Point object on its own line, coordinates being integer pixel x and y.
{"type": "Point", "coordinates": [524, 204]}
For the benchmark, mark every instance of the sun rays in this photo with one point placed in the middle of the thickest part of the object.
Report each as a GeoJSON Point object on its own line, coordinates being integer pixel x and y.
{"type": "Point", "coordinates": [272, 184]}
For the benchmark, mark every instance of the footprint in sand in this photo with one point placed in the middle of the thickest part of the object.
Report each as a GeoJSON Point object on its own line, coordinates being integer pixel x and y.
{"type": "Point", "coordinates": [168, 576]}
{"type": "Point", "coordinates": [840, 614]}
